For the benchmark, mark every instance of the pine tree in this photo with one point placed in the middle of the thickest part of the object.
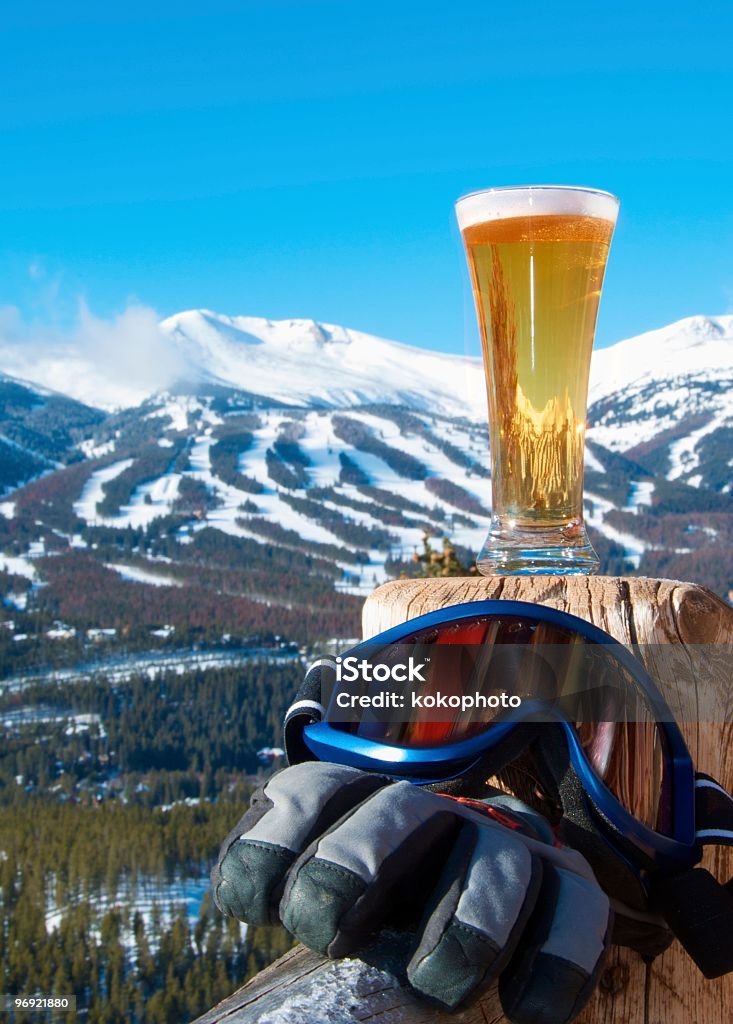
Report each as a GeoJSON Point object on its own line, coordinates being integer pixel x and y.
{"type": "Point", "coordinates": [435, 563]}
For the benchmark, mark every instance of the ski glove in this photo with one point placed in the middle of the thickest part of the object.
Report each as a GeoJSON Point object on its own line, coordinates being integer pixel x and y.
{"type": "Point", "coordinates": [336, 854]}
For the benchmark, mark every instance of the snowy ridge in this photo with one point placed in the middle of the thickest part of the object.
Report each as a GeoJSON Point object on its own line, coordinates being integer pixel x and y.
{"type": "Point", "coordinates": [638, 387]}
{"type": "Point", "coordinates": [652, 383]}
{"type": "Point", "coordinates": [302, 362]}
{"type": "Point", "coordinates": [24, 382]}
{"type": "Point", "coordinates": [697, 346]}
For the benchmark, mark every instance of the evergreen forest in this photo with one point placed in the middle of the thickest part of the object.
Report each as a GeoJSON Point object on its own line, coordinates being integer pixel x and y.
{"type": "Point", "coordinates": [114, 799]}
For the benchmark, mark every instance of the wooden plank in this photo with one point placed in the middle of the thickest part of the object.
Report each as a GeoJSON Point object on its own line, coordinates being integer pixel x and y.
{"type": "Point", "coordinates": [304, 988]}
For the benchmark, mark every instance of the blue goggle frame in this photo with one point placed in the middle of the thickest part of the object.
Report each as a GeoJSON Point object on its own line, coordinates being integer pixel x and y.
{"type": "Point", "coordinates": [424, 766]}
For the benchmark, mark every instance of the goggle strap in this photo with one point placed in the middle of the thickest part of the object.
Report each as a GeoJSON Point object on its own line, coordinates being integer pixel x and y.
{"type": "Point", "coordinates": [713, 812]}
{"type": "Point", "coordinates": [305, 709]}
{"type": "Point", "coordinates": [697, 907]}
{"type": "Point", "coordinates": [312, 709]}
{"type": "Point", "coordinates": [699, 910]}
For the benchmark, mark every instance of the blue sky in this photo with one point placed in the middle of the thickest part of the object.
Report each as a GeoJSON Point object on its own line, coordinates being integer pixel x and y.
{"type": "Point", "coordinates": [302, 158]}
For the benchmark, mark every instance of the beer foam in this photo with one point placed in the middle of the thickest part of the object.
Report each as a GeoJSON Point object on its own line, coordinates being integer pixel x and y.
{"type": "Point", "coordinates": [534, 200]}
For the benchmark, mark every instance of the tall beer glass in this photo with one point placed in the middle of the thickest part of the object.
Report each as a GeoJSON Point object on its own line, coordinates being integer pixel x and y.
{"type": "Point", "coordinates": [537, 256]}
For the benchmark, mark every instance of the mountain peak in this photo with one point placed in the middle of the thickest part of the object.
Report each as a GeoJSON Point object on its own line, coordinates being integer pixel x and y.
{"type": "Point", "coordinates": [695, 346]}
{"type": "Point", "coordinates": [305, 362]}
{"type": "Point", "coordinates": [709, 326]}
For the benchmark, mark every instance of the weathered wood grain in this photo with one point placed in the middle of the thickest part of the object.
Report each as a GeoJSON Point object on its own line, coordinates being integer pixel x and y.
{"type": "Point", "coordinates": [303, 988]}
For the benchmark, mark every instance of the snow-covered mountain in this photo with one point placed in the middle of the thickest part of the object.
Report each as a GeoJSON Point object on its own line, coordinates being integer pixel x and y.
{"type": "Point", "coordinates": [346, 448]}
{"type": "Point", "coordinates": [305, 363]}
{"type": "Point", "coordinates": [651, 384]}
{"type": "Point", "coordinates": [639, 386]}
{"type": "Point", "coordinates": [667, 393]}
{"type": "Point", "coordinates": [685, 349]}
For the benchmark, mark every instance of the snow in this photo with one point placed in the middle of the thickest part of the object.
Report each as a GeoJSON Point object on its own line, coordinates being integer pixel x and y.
{"type": "Point", "coordinates": [322, 449]}
{"type": "Point", "coordinates": [95, 451]}
{"type": "Point", "coordinates": [640, 493]}
{"type": "Point", "coordinates": [325, 996]}
{"type": "Point", "coordinates": [319, 437]}
{"type": "Point", "coordinates": [137, 575]}
{"type": "Point", "coordinates": [681, 349]}
{"type": "Point", "coordinates": [682, 370]}
{"type": "Point", "coordinates": [324, 471]}
{"type": "Point", "coordinates": [82, 722]}
{"type": "Point", "coordinates": [199, 457]}
{"type": "Point", "coordinates": [117, 669]}
{"type": "Point", "coordinates": [593, 462]}
{"type": "Point", "coordinates": [40, 713]}
{"type": "Point", "coordinates": [70, 371]}
{"type": "Point", "coordinates": [682, 454]}
{"type": "Point", "coordinates": [225, 517]}
{"type": "Point", "coordinates": [164, 632]}
{"type": "Point", "coordinates": [20, 565]}
{"type": "Point", "coordinates": [271, 752]}
{"type": "Point", "coordinates": [302, 362]}
{"type": "Point", "coordinates": [390, 433]}
{"type": "Point", "coordinates": [86, 506]}
{"type": "Point", "coordinates": [17, 565]}
{"type": "Point", "coordinates": [181, 410]}
{"type": "Point", "coordinates": [31, 715]}
{"type": "Point", "coordinates": [7, 509]}
{"type": "Point", "coordinates": [148, 502]}
{"type": "Point", "coordinates": [59, 631]}
{"type": "Point", "coordinates": [142, 895]}
{"type": "Point", "coordinates": [595, 509]}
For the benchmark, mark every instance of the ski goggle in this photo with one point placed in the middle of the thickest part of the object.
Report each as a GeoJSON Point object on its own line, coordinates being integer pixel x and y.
{"type": "Point", "coordinates": [621, 739]}
{"type": "Point", "coordinates": [591, 723]}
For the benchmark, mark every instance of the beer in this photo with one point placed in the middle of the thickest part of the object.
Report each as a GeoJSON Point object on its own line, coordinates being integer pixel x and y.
{"type": "Point", "coordinates": [537, 259]}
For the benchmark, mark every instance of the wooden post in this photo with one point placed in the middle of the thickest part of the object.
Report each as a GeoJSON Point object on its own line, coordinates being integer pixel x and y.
{"type": "Point", "coordinates": [304, 988]}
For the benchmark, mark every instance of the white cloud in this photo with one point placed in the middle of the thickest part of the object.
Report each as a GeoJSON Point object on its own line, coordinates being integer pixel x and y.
{"type": "Point", "coordinates": [105, 362]}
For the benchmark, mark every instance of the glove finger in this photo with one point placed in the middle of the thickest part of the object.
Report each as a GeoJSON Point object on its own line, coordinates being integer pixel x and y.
{"type": "Point", "coordinates": [476, 915]}
{"type": "Point", "coordinates": [349, 881]}
{"type": "Point", "coordinates": [292, 809]}
{"type": "Point", "coordinates": [554, 971]}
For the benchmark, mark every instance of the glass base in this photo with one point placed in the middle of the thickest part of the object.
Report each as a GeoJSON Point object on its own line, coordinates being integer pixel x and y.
{"type": "Point", "coordinates": [537, 551]}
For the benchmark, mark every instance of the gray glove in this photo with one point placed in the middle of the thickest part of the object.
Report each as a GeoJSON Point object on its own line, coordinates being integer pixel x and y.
{"type": "Point", "coordinates": [335, 854]}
